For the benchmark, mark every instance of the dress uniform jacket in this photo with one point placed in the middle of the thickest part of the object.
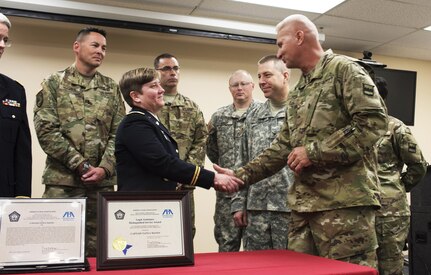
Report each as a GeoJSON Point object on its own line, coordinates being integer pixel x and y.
{"type": "Point", "coordinates": [148, 159]}
{"type": "Point", "coordinates": [15, 140]}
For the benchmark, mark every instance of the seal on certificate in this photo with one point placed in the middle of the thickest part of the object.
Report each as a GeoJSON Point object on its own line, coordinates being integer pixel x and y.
{"type": "Point", "coordinates": [120, 244]}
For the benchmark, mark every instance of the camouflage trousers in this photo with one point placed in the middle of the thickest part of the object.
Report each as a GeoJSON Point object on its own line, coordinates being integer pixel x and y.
{"type": "Point", "coordinates": [226, 234]}
{"type": "Point", "coordinates": [266, 230]}
{"type": "Point", "coordinates": [346, 234]}
{"type": "Point", "coordinates": [54, 191]}
{"type": "Point", "coordinates": [392, 233]}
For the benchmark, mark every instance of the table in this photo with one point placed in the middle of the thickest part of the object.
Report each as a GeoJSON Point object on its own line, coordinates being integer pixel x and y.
{"type": "Point", "coordinates": [249, 262]}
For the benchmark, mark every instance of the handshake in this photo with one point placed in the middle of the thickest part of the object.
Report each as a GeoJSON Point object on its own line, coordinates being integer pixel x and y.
{"type": "Point", "coordinates": [225, 180]}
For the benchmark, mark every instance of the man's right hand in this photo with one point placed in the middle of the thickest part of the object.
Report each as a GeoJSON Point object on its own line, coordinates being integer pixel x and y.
{"type": "Point", "coordinates": [222, 170]}
{"type": "Point", "coordinates": [228, 184]}
{"type": "Point", "coordinates": [240, 218]}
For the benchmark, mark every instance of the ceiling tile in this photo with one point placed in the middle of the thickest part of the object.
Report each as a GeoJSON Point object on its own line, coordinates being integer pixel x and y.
{"type": "Point", "coordinates": [385, 12]}
{"type": "Point", "coordinates": [338, 43]}
{"type": "Point", "coordinates": [360, 30]}
{"type": "Point", "coordinates": [405, 52]}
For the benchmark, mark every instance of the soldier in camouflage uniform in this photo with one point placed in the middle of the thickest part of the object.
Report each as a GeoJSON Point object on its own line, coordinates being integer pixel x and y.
{"type": "Point", "coordinates": [334, 118]}
{"type": "Point", "coordinates": [396, 148]}
{"type": "Point", "coordinates": [262, 207]}
{"type": "Point", "coordinates": [183, 118]}
{"type": "Point", "coordinates": [76, 117]}
{"type": "Point", "coordinates": [226, 133]}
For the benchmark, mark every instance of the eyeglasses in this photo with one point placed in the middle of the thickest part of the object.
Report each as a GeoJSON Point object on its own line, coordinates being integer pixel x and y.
{"type": "Point", "coordinates": [168, 69]}
{"type": "Point", "coordinates": [6, 41]}
{"type": "Point", "coordinates": [242, 84]}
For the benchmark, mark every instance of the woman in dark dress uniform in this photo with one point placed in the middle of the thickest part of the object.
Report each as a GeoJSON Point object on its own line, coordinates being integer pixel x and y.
{"type": "Point", "coordinates": [147, 156]}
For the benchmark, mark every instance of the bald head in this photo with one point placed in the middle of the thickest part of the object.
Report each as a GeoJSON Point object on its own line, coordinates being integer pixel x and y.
{"type": "Point", "coordinates": [299, 22]}
{"type": "Point", "coordinates": [298, 43]}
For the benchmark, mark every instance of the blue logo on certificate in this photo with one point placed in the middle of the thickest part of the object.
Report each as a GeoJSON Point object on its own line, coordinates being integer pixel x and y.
{"type": "Point", "coordinates": [168, 213]}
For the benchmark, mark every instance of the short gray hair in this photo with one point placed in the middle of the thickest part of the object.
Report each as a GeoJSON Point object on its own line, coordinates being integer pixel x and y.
{"type": "Point", "coordinates": [5, 20]}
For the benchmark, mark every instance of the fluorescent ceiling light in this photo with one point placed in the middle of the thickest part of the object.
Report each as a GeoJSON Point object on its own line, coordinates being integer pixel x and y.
{"type": "Point", "coordinates": [320, 6]}
{"type": "Point", "coordinates": [428, 28]}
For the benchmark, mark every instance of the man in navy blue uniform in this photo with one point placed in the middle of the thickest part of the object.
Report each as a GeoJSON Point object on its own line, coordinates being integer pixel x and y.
{"type": "Point", "coordinates": [147, 156]}
{"type": "Point", "coordinates": [15, 139]}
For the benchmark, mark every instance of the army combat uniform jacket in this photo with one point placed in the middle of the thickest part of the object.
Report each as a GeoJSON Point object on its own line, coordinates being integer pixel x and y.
{"type": "Point", "coordinates": [269, 194]}
{"type": "Point", "coordinates": [225, 139]}
{"type": "Point", "coordinates": [336, 113]}
{"type": "Point", "coordinates": [396, 148]}
{"type": "Point", "coordinates": [76, 121]}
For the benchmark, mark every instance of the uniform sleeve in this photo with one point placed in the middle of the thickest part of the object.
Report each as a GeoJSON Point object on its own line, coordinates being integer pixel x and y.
{"type": "Point", "coordinates": [152, 156]}
{"type": "Point", "coordinates": [196, 154]}
{"type": "Point", "coordinates": [411, 156]}
{"type": "Point", "coordinates": [23, 159]}
{"type": "Point", "coordinates": [48, 127]}
{"type": "Point", "coordinates": [211, 142]}
{"type": "Point", "coordinates": [108, 159]}
{"type": "Point", "coordinates": [368, 120]}
{"type": "Point", "coordinates": [269, 161]}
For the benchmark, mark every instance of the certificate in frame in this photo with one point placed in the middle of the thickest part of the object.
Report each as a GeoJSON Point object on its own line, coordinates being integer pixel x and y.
{"type": "Point", "coordinates": [144, 229]}
{"type": "Point", "coordinates": [38, 235]}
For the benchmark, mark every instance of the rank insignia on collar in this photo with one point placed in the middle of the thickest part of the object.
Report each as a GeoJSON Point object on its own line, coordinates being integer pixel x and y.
{"type": "Point", "coordinates": [11, 102]}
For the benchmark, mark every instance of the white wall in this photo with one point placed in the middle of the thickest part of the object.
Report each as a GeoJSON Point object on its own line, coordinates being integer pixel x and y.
{"type": "Point", "coordinates": [42, 47]}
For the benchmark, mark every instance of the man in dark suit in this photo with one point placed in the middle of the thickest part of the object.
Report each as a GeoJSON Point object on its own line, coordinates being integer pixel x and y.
{"type": "Point", "coordinates": [15, 139]}
{"type": "Point", "coordinates": [147, 156]}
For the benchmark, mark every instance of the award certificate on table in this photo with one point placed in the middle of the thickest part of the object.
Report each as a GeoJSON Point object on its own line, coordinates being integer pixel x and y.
{"type": "Point", "coordinates": [145, 229]}
{"type": "Point", "coordinates": [41, 232]}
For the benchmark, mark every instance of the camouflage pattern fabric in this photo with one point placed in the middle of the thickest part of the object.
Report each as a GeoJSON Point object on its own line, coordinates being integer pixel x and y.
{"type": "Point", "coordinates": [336, 113]}
{"type": "Point", "coordinates": [396, 148]}
{"type": "Point", "coordinates": [224, 147]}
{"type": "Point", "coordinates": [266, 195]}
{"type": "Point", "coordinates": [77, 121]}
{"type": "Point", "coordinates": [52, 191]}
{"type": "Point", "coordinates": [266, 230]}
{"type": "Point", "coordinates": [318, 233]}
{"type": "Point", "coordinates": [226, 234]}
{"type": "Point", "coordinates": [392, 232]}
{"type": "Point", "coordinates": [186, 123]}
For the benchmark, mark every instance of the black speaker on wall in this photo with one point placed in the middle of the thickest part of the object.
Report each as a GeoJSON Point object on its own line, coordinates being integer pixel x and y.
{"type": "Point", "coordinates": [420, 227]}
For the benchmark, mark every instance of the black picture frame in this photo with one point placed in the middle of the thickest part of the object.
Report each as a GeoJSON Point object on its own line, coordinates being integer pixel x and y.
{"type": "Point", "coordinates": [105, 220]}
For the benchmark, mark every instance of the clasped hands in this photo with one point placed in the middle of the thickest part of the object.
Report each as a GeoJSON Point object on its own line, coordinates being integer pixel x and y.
{"type": "Point", "coordinates": [225, 180]}
{"type": "Point", "coordinates": [91, 174]}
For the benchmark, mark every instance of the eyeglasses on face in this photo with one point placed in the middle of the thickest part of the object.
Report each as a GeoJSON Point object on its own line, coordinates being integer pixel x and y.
{"type": "Point", "coordinates": [242, 84]}
{"type": "Point", "coordinates": [168, 69]}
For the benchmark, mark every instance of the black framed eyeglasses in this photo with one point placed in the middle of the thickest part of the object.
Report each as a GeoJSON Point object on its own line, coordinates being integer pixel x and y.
{"type": "Point", "coordinates": [168, 68]}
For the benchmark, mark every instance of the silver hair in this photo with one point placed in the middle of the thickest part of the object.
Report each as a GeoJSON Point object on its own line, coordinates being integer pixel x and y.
{"type": "Point", "coordinates": [5, 20]}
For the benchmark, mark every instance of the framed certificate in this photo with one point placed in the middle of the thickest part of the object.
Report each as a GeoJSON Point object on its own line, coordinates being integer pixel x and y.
{"type": "Point", "coordinates": [42, 234]}
{"type": "Point", "coordinates": [144, 229]}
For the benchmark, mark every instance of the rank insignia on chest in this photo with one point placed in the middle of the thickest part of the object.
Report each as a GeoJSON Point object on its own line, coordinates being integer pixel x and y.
{"type": "Point", "coordinates": [11, 102]}
{"type": "Point", "coordinates": [368, 89]}
{"type": "Point", "coordinates": [412, 148]}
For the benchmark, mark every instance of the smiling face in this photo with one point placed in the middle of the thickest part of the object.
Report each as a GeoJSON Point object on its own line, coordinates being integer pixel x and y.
{"type": "Point", "coordinates": [90, 50]}
{"type": "Point", "coordinates": [271, 80]}
{"type": "Point", "coordinates": [287, 46]}
{"type": "Point", "coordinates": [150, 97]}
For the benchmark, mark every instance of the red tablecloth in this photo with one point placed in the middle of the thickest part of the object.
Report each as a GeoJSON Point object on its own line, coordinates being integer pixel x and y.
{"type": "Point", "coordinates": [250, 263]}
